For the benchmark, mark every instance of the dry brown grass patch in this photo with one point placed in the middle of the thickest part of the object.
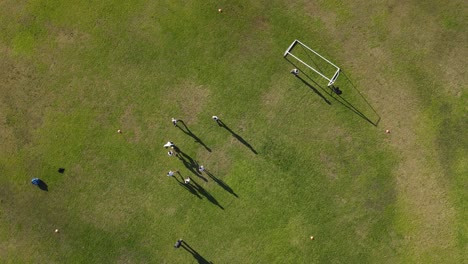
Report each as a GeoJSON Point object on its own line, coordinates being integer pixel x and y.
{"type": "Point", "coordinates": [329, 164]}
{"type": "Point", "coordinates": [66, 37]}
{"type": "Point", "coordinates": [218, 161]}
{"type": "Point", "coordinates": [190, 98]}
{"type": "Point", "coordinates": [260, 23]}
{"type": "Point", "coordinates": [23, 100]}
{"type": "Point", "coordinates": [129, 123]}
{"type": "Point", "coordinates": [424, 203]}
{"type": "Point", "coordinates": [272, 99]}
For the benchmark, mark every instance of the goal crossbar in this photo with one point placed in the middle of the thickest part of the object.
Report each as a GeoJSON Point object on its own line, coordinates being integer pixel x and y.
{"type": "Point", "coordinates": [288, 52]}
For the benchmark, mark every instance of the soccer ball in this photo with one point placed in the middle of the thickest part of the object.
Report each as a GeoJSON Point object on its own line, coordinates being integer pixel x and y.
{"type": "Point", "coordinates": [56, 230]}
{"type": "Point", "coordinates": [220, 10]}
{"type": "Point", "coordinates": [119, 131]}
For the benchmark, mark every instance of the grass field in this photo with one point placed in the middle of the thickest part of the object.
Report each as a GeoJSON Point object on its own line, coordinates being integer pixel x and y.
{"type": "Point", "coordinates": [293, 161]}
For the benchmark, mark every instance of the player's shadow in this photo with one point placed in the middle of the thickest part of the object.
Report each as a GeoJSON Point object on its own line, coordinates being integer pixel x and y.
{"type": "Point", "coordinates": [43, 186]}
{"type": "Point", "coordinates": [189, 162]}
{"type": "Point", "coordinates": [348, 87]}
{"type": "Point", "coordinates": [187, 131]}
{"type": "Point", "coordinates": [234, 134]}
{"type": "Point", "coordinates": [313, 89]}
{"type": "Point", "coordinates": [205, 193]}
{"type": "Point", "coordinates": [186, 186]}
{"type": "Point", "coordinates": [195, 254]}
{"type": "Point", "coordinates": [40, 184]}
{"type": "Point", "coordinates": [221, 183]}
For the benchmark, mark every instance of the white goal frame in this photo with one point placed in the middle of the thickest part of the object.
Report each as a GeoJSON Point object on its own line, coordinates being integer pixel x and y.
{"type": "Point", "coordinates": [331, 80]}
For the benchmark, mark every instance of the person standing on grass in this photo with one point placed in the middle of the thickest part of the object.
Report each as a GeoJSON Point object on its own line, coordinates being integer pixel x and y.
{"type": "Point", "coordinates": [178, 243]}
{"type": "Point", "coordinates": [201, 168]}
{"type": "Point", "coordinates": [174, 121]}
{"type": "Point", "coordinates": [295, 72]}
{"type": "Point", "coordinates": [216, 118]}
{"type": "Point", "coordinates": [36, 181]}
{"type": "Point", "coordinates": [169, 144]}
{"type": "Point", "coordinates": [187, 181]}
{"type": "Point", "coordinates": [170, 153]}
{"type": "Point", "coordinates": [171, 173]}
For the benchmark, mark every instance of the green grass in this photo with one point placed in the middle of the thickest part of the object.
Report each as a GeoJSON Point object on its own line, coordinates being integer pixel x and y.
{"type": "Point", "coordinates": [73, 72]}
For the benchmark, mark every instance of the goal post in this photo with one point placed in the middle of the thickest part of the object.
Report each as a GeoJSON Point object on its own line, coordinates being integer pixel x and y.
{"type": "Point", "coordinates": [330, 74]}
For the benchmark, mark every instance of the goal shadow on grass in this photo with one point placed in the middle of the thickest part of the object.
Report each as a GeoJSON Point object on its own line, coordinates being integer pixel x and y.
{"type": "Point", "coordinates": [365, 110]}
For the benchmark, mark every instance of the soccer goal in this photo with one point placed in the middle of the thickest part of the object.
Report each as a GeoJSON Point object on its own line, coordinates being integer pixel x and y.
{"type": "Point", "coordinates": [316, 62]}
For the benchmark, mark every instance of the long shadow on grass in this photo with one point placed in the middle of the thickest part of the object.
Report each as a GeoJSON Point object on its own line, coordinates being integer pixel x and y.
{"type": "Point", "coordinates": [205, 193]}
{"type": "Point", "coordinates": [313, 89]}
{"type": "Point", "coordinates": [195, 254]}
{"type": "Point", "coordinates": [234, 134]}
{"type": "Point", "coordinates": [339, 98]}
{"type": "Point", "coordinates": [221, 183]}
{"type": "Point", "coordinates": [187, 131]}
{"type": "Point", "coordinates": [362, 96]}
{"type": "Point", "coordinates": [42, 185]}
{"type": "Point", "coordinates": [189, 162]}
{"type": "Point", "coordinates": [188, 187]}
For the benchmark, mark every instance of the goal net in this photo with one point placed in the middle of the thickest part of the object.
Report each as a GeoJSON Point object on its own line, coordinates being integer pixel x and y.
{"type": "Point", "coordinates": [313, 60]}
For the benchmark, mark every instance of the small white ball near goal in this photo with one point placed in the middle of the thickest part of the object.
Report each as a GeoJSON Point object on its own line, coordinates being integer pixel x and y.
{"type": "Point", "coordinates": [220, 10]}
